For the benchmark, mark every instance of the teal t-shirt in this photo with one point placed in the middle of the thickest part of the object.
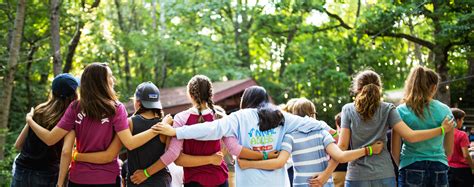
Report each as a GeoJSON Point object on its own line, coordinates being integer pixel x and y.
{"type": "Point", "coordinates": [428, 150]}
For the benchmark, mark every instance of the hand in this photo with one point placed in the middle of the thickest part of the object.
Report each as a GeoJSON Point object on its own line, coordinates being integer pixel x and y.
{"type": "Point", "coordinates": [243, 164]}
{"type": "Point", "coordinates": [164, 129]}
{"type": "Point", "coordinates": [448, 124]}
{"type": "Point", "coordinates": [377, 147]}
{"type": "Point", "coordinates": [216, 158]}
{"type": "Point", "coordinates": [138, 177]}
{"type": "Point", "coordinates": [168, 119]}
{"type": "Point", "coordinates": [273, 154]}
{"type": "Point", "coordinates": [29, 116]}
{"type": "Point", "coordinates": [319, 180]}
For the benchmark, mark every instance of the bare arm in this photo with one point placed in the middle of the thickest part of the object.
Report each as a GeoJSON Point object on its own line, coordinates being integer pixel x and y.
{"type": "Point", "coordinates": [448, 143]}
{"type": "Point", "coordinates": [21, 138]}
{"type": "Point", "coordinates": [186, 160]}
{"type": "Point", "coordinates": [102, 157]}
{"type": "Point", "coordinates": [48, 137]}
{"type": "Point", "coordinates": [132, 142]}
{"type": "Point", "coordinates": [66, 157]}
{"type": "Point", "coordinates": [421, 135]}
{"type": "Point", "coordinates": [396, 147]}
{"type": "Point", "coordinates": [271, 164]}
{"type": "Point", "coordinates": [465, 153]}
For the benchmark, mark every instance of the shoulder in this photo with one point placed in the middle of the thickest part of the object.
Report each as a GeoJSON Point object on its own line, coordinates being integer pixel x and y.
{"type": "Point", "coordinates": [348, 106]}
{"type": "Point", "coordinates": [440, 105]}
{"type": "Point", "coordinates": [387, 105]}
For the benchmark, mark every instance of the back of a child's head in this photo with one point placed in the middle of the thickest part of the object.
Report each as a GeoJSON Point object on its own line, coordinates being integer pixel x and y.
{"type": "Point", "coordinates": [63, 93]}
{"type": "Point", "coordinates": [97, 94]}
{"type": "Point", "coordinates": [200, 90]}
{"type": "Point", "coordinates": [147, 95]}
{"type": "Point", "coordinates": [458, 113]}
{"type": "Point", "coordinates": [420, 87]}
{"type": "Point", "coordinates": [367, 87]}
{"type": "Point", "coordinates": [304, 107]}
{"type": "Point", "coordinates": [269, 116]}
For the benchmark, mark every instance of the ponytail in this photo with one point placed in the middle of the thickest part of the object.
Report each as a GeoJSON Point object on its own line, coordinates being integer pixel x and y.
{"type": "Point", "coordinates": [269, 118]}
{"type": "Point", "coordinates": [419, 88]}
{"type": "Point", "coordinates": [367, 101]}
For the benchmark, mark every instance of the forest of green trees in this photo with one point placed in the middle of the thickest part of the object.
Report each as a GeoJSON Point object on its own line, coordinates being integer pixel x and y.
{"type": "Point", "coordinates": [293, 48]}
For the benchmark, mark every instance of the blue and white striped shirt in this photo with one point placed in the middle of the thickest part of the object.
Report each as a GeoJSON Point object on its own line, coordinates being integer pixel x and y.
{"type": "Point", "coordinates": [308, 151]}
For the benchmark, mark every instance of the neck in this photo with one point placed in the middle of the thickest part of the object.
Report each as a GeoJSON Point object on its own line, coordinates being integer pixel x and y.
{"type": "Point", "coordinates": [202, 106]}
{"type": "Point", "coordinates": [148, 115]}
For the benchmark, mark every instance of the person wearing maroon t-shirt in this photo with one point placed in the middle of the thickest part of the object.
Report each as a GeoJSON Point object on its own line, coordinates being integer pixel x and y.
{"type": "Point", "coordinates": [461, 167]}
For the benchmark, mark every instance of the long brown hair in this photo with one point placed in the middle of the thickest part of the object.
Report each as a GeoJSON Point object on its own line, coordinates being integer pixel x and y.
{"type": "Point", "coordinates": [200, 90]}
{"type": "Point", "coordinates": [366, 85]}
{"type": "Point", "coordinates": [304, 107]}
{"type": "Point", "coordinates": [419, 88]}
{"type": "Point", "coordinates": [49, 113]}
{"type": "Point", "coordinates": [97, 94]}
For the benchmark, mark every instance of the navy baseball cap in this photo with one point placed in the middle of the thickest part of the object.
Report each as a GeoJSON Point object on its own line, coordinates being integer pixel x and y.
{"type": "Point", "coordinates": [149, 95]}
{"type": "Point", "coordinates": [64, 85]}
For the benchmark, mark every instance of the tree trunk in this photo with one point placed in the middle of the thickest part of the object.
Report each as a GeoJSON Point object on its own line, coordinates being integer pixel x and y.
{"type": "Point", "coordinates": [55, 39]}
{"type": "Point", "coordinates": [127, 70]}
{"type": "Point", "coordinates": [31, 53]}
{"type": "Point", "coordinates": [14, 55]}
{"type": "Point", "coordinates": [286, 54]}
{"type": "Point", "coordinates": [163, 16]}
{"type": "Point", "coordinates": [441, 61]}
{"type": "Point", "coordinates": [71, 49]}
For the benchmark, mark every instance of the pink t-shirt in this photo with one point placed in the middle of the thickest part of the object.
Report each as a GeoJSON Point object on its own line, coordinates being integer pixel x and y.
{"type": "Point", "coordinates": [92, 136]}
{"type": "Point", "coordinates": [456, 160]}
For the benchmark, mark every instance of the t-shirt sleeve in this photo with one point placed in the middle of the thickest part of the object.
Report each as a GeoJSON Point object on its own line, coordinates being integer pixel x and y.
{"type": "Point", "coordinates": [345, 119]}
{"type": "Point", "coordinates": [393, 117]}
{"type": "Point", "coordinates": [287, 143]}
{"type": "Point", "coordinates": [120, 121]}
{"type": "Point", "coordinates": [327, 138]}
{"type": "Point", "coordinates": [464, 141]}
{"type": "Point", "coordinates": [67, 122]}
{"type": "Point", "coordinates": [214, 130]}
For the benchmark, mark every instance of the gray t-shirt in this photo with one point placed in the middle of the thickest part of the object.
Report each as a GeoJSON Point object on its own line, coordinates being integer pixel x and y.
{"type": "Point", "coordinates": [364, 133]}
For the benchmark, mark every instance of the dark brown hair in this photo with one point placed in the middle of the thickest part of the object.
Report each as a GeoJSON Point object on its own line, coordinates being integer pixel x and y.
{"type": "Point", "coordinates": [200, 90]}
{"type": "Point", "coordinates": [337, 119]}
{"type": "Point", "coordinates": [269, 116]}
{"type": "Point", "coordinates": [98, 97]}
{"type": "Point", "coordinates": [142, 109]}
{"type": "Point", "coordinates": [49, 113]}
{"type": "Point", "coordinates": [458, 113]}
{"type": "Point", "coordinates": [366, 85]}
{"type": "Point", "coordinates": [419, 88]}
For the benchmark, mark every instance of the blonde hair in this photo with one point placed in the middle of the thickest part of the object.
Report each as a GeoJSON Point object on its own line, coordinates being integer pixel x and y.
{"type": "Point", "coordinates": [289, 105]}
{"type": "Point", "coordinates": [366, 85]}
{"type": "Point", "coordinates": [420, 86]}
{"type": "Point", "coordinates": [304, 107]}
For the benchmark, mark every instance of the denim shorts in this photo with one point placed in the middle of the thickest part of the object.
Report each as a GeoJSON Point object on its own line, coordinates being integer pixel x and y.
{"type": "Point", "coordinates": [24, 177]}
{"type": "Point", "coordinates": [387, 182]}
{"type": "Point", "coordinates": [424, 173]}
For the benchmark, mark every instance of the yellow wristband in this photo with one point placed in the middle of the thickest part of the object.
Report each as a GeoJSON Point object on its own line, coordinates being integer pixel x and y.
{"type": "Point", "coordinates": [74, 157]}
{"type": "Point", "coordinates": [335, 134]}
{"type": "Point", "coordinates": [442, 130]}
{"type": "Point", "coordinates": [370, 150]}
{"type": "Point", "coordinates": [146, 173]}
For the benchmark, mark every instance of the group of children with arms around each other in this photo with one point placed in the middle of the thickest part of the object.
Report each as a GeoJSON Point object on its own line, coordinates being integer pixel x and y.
{"type": "Point", "coordinates": [75, 140]}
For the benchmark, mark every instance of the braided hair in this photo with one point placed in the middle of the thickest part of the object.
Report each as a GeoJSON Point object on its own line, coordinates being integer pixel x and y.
{"type": "Point", "coordinates": [200, 90]}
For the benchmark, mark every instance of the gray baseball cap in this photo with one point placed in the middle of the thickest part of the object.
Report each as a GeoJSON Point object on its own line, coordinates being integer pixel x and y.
{"type": "Point", "coordinates": [149, 95]}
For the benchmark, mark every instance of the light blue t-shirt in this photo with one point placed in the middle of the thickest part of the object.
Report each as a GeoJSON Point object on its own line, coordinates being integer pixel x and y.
{"type": "Point", "coordinates": [308, 149]}
{"type": "Point", "coordinates": [243, 124]}
{"type": "Point", "coordinates": [428, 150]}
